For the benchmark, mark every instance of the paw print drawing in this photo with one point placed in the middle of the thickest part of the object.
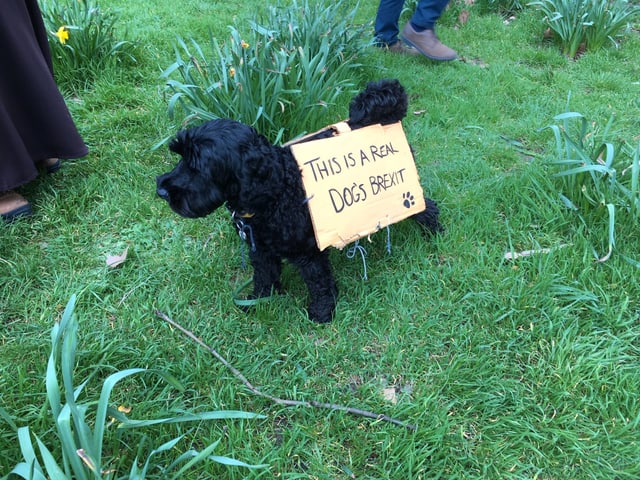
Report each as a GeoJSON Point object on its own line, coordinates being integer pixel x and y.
{"type": "Point", "coordinates": [408, 200]}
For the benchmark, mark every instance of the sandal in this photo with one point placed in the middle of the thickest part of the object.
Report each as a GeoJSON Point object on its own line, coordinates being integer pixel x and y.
{"type": "Point", "coordinates": [12, 206]}
{"type": "Point", "coordinates": [52, 165]}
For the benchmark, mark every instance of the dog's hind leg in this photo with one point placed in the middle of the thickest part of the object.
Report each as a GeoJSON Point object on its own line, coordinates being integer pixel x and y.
{"type": "Point", "coordinates": [316, 273]}
{"type": "Point", "coordinates": [266, 274]}
{"type": "Point", "coordinates": [428, 218]}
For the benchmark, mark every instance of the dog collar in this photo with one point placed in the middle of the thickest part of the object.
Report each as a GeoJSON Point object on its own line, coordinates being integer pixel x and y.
{"type": "Point", "coordinates": [244, 230]}
{"type": "Point", "coordinates": [237, 215]}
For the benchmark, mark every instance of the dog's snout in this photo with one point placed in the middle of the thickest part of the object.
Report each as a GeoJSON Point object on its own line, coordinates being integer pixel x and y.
{"type": "Point", "coordinates": [162, 193]}
{"type": "Point", "coordinates": [160, 190]}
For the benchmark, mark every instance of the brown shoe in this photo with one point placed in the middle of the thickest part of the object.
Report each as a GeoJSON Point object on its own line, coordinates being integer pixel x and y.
{"type": "Point", "coordinates": [13, 205]}
{"type": "Point", "coordinates": [402, 48]}
{"type": "Point", "coordinates": [428, 44]}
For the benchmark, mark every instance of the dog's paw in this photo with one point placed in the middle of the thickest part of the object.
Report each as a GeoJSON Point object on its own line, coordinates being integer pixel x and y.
{"type": "Point", "coordinates": [408, 200]}
{"type": "Point", "coordinates": [320, 315]}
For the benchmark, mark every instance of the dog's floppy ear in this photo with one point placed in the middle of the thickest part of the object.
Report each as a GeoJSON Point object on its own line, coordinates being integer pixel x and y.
{"type": "Point", "coordinates": [384, 102]}
{"type": "Point", "coordinates": [262, 177]}
{"type": "Point", "coordinates": [177, 144]}
{"type": "Point", "coordinates": [188, 144]}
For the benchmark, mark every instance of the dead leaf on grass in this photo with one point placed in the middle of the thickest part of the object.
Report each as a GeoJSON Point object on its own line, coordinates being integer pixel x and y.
{"type": "Point", "coordinates": [475, 61]}
{"type": "Point", "coordinates": [606, 257]}
{"type": "Point", "coordinates": [114, 260]}
{"type": "Point", "coordinates": [528, 253]}
{"type": "Point", "coordinates": [390, 395]}
{"type": "Point", "coordinates": [463, 18]}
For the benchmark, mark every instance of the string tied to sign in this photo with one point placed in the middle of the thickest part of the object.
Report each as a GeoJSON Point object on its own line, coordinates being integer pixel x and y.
{"type": "Point", "coordinates": [388, 239]}
{"type": "Point", "coordinates": [353, 250]}
{"type": "Point", "coordinates": [357, 248]}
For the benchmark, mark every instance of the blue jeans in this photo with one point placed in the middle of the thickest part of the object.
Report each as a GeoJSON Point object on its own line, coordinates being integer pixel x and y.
{"type": "Point", "coordinates": [425, 16]}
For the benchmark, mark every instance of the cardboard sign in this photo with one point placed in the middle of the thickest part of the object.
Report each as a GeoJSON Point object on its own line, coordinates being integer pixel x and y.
{"type": "Point", "coordinates": [358, 182]}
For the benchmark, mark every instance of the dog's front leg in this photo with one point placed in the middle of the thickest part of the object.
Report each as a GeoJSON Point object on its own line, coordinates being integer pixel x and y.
{"type": "Point", "coordinates": [316, 273]}
{"type": "Point", "coordinates": [266, 273]}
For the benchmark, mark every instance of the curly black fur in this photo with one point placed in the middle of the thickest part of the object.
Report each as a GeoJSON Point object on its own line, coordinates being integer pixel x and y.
{"type": "Point", "coordinates": [227, 162]}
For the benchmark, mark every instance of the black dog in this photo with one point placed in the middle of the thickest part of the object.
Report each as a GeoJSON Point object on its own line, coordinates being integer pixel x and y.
{"type": "Point", "coordinates": [227, 162]}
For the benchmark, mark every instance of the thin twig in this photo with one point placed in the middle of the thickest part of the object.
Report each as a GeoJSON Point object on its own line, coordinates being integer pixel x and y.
{"type": "Point", "coordinates": [277, 400]}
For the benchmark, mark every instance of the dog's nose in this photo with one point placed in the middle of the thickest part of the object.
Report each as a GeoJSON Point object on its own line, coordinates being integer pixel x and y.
{"type": "Point", "coordinates": [162, 193]}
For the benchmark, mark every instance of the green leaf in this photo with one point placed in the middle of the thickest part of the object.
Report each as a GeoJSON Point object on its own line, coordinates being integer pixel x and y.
{"type": "Point", "coordinates": [103, 404]}
{"type": "Point", "coordinates": [28, 471]}
{"type": "Point", "coordinates": [127, 423]}
{"type": "Point", "coordinates": [53, 469]}
{"type": "Point", "coordinates": [26, 447]}
{"type": "Point", "coordinates": [234, 463]}
{"type": "Point", "coordinates": [68, 443]}
{"type": "Point", "coordinates": [7, 418]}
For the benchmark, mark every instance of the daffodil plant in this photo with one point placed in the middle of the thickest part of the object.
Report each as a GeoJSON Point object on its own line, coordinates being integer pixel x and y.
{"type": "Point", "coordinates": [83, 41]}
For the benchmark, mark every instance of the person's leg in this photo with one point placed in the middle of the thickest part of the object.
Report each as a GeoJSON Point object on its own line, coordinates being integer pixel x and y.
{"type": "Point", "coordinates": [427, 14]}
{"type": "Point", "coordinates": [419, 32]}
{"type": "Point", "coordinates": [386, 24]}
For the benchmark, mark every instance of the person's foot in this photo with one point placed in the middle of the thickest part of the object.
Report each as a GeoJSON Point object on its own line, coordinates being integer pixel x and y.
{"type": "Point", "coordinates": [52, 165]}
{"type": "Point", "coordinates": [402, 48]}
{"type": "Point", "coordinates": [428, 44]}
{"type": "Point", "coordinates": [13, 205]}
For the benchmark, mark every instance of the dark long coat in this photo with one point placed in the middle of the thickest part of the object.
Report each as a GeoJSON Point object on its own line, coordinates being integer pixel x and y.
{"type": "Point", "coordinates": [35, 123]}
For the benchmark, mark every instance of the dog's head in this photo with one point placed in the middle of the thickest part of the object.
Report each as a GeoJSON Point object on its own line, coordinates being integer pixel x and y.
{"type": "Point", "coordinates": [384, 102]}
{"type": "Point", "coordinates": [221, 161]}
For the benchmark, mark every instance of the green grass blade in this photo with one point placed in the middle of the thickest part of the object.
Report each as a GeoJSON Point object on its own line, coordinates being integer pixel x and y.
{"type": "Point", "coordinates": [197, 457]}
{"type": "Point", "coordinates": [635, 179]}
{"type": "Point", "coordinates": [7, 418]}
{"type": "Point", "coordinates": [162, 448]}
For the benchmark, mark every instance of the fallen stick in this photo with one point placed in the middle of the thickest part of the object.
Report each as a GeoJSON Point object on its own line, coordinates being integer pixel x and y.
{"type": "Point", "coordinates": [277, 400]}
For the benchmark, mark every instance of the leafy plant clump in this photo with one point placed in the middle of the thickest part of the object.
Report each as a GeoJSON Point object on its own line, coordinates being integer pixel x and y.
{"type": "Point", "coordinates": [502, 7]}
{"type": "Point", "coordinates": [580, 25]}
{"type": "Point", "coordinates": [597, 177]}
{"type": "Point", "coordinates": [83, 41]}
{"type": "Point", "coordinates": [81, 426]}
{"type": "Point", "coordinates": [281, 77]}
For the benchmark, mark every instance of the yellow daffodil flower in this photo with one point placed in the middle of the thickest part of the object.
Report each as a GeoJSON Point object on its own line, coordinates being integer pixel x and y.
{"type": "Point", "coordinates": [244, 44]}
{"type": "Point", "coordinates": [62, 34]}
{"type": "Point", "coordinates": [232, 72]}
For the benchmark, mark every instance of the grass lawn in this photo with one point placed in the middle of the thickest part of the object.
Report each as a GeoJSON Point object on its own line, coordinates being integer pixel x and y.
{"type": "Point", "coordinates": [510, 369]}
